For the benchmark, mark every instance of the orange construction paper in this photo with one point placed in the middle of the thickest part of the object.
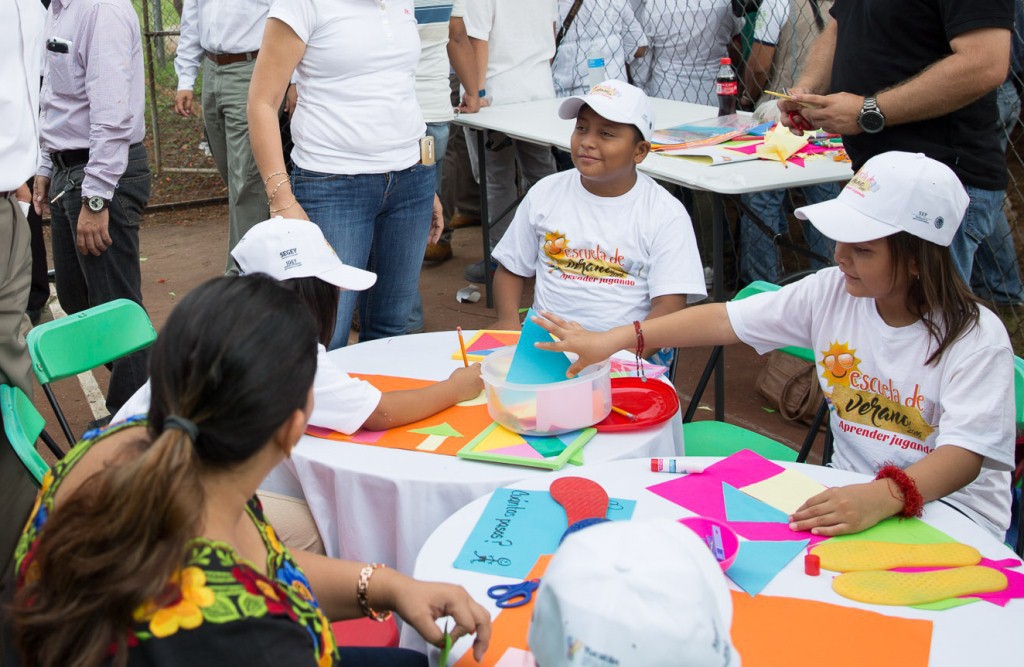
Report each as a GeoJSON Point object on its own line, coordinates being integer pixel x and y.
{"type": "Point", "coordinates": [510, 628]}
{"type": "Point", "coordinates": [773, 631]}
{"type": "Point", "coordinates": [468, 421]}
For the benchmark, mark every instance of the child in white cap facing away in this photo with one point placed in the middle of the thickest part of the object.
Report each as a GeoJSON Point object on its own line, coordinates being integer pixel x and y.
{"type": "Point", "coordinates": [606, 244]}
{"type": "Point", "coordinates": [918, 374]}
{"type": "Point", "coordinates": [633, 594]}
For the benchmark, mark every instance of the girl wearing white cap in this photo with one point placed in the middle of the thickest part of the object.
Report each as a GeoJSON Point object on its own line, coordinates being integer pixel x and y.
{"type": "Point", "coordinates": [903, 351]}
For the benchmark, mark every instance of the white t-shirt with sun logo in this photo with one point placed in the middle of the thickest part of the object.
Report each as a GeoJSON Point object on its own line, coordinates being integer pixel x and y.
{"type": "Point", "coordinates": [886, 404]}
{"type": "Point", "coordinates": [600, 260]}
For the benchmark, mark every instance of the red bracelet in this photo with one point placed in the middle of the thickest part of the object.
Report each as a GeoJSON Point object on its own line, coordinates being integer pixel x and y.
{"type": "Point", "coordinates": [640, 350]}
{"type": "Point", "coordinates": [913, 501]}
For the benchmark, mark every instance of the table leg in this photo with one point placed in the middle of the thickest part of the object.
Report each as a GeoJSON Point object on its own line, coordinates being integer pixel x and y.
{"type": "Point", "coordinates": [485, 218]}
{"type": "Point", "coordinates": [718, 222]}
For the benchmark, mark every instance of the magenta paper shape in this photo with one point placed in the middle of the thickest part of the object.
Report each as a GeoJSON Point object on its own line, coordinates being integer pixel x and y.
{"type": "Point", "coordinates": [486, 342]}
{"type": "Point", "coordinates": [1014, 587]}
{"type": "Point", "coordinates": [363, 437]}
{"type": "Point", "coordinates": [773, 532]}
{"type": "Point", "coordinates": [525, 451]}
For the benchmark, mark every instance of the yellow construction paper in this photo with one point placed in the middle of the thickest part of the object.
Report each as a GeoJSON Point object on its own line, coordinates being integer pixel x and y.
{"type": "Point", "coordinates": [780, 144]}
{"type": "Point", "coordinates": [786, 491]}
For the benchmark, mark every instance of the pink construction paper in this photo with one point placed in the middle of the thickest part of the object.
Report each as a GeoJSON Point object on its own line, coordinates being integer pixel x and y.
{"type": "Point", "coordinates": [1015, 580]}
{"type": "Point", "coordinates": [525, 451]}
{"type": "Point", "coordinates": [773, 532]}
{"type": "Point", "coordinates": [363, 437]}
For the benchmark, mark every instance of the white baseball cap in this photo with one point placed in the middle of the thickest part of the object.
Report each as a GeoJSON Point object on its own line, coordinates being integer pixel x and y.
{"type": "Point", "coordinates": [284, 249]}
{"type": "Point", "coordinates": [636, 594]}
{"type": "Point", "coordinates": [893, 192]}
{"type": "Point", "coordinates": [618, 102]}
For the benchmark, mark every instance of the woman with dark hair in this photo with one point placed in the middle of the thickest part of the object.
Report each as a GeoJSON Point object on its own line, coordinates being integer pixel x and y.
{"type": "Point", "coordinates": [147, 545]}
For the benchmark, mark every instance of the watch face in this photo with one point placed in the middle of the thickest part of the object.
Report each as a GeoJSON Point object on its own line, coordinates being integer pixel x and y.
{"type": "Point", "coordinates": [96, 204]}
{"type": "Point", "coordinates": [871, 121]}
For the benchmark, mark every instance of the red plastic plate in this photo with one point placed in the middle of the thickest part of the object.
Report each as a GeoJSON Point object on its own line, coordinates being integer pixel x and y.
{"type": "Point", "coordinates": [652, 402]}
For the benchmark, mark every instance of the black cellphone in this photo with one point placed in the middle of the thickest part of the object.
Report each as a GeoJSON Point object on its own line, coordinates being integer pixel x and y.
{"type": "Point", "coordinates": [58, 45]}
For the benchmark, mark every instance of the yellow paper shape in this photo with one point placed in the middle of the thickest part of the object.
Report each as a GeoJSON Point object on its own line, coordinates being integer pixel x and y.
{"type": "Point", "coordinates": [909, 588]}
{"type": "Point", "coordinates": [498, 438]}
{"type": "Point", "coordinates": [854, 556]}
{"type": "Point", "coordinates": [779, 144]}
{"type": "Point", "coordinates": [786, 491]}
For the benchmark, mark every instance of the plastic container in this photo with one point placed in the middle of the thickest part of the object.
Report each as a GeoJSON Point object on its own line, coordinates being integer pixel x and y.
{"type": "Point", "coordinates": [550, 408]}
{"type": "Point", "coordinates": [596, 71]}
{"type": "Point", "coordinates": [728, 543]}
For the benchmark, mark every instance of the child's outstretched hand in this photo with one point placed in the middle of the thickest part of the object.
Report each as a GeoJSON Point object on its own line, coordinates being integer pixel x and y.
{"type": "Point", "coordinates": [591, 346]}
{"type": "Point", "coordinates": [847, 509]}
{"type": "Point", "coordinates": [466, 382]}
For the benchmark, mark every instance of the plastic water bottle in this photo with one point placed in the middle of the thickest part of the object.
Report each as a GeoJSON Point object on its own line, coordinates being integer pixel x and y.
{"type": "Point", "coordinates": [595, 69]}
{"type": "Point", "coordinates": [727, 88]}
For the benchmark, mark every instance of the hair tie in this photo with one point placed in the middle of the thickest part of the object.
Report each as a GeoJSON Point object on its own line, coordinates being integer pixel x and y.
{"type": "Point", "coordinates": [183, 425]}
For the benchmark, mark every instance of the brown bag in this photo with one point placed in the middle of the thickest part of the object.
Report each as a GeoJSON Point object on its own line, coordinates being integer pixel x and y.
{"type": "Point", "coordinates": [790, 385]}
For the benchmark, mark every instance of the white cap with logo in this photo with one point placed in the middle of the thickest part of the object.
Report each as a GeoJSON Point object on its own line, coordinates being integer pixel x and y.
{"type": "Point", "coordinates": [616, 101]}
{"type": "Point", "coordinates": [893, 192]}
{"type": "Point", "coordinates": [644, 593]}
{"type": "Point", "coordinates": [284, 249]}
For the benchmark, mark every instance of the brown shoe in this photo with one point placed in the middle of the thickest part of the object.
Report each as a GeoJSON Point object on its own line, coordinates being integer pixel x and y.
{"type": "Point", "coordinates": [438, 252]}
{"type": "Point", "coordinates": [460, 220]}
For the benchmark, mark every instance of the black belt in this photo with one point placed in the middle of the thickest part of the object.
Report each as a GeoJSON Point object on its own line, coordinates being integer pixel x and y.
{"type": "Point", "coordinates": [4, 194]}
{"type": "Point", "coordinates": [75, 156]}
{"type": "Point", "coordinates": [230, 58]}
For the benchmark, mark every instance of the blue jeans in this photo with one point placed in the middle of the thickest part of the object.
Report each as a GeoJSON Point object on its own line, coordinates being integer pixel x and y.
{"type": "Point", "coordinates": [440, 133]}
{"type": "Point", "coordinates": [984, 240]}
{"type": "Point", "coordinates": [377, 222]}
{"type": "Point", "coordinates": [995, 275]}
{"type": "Point", "coordinates": [759, 258]}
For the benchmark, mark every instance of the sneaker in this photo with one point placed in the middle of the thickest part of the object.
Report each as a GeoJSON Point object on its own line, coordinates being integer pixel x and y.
{"type": "Point", "coordinates": [438, 252]}
{"type": "Point", "coordinates": [474, 273]}
{"type": "Point", "coordinates": [460, 220]}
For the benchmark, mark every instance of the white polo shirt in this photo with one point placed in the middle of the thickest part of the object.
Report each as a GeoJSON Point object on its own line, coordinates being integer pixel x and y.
{"type": "Point", "coordinates": [357, 111]}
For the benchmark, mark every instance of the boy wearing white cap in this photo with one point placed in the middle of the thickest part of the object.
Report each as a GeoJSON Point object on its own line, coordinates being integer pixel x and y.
{"type": "Point", "coordinates": [606, 244]}
{"type": "Point", "coordinates": [918, 374]}
{"type": "Point", "coordinates": [633, 594]}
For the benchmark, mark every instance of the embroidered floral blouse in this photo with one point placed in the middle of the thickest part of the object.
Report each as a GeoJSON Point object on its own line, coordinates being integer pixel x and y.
{"type": "Point", "coordinates": [227, 611]}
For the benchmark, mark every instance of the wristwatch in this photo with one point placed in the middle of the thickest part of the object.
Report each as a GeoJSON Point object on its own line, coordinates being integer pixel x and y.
{"type": "Point", "coordinates": [870, 118]}
{"type": "Point", "coordinates": [95, 203]}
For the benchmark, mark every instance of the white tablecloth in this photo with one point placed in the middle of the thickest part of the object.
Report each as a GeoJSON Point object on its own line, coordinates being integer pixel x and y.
{"type": "Point", "coordinates": [972, 635]}
{"type": "Point", "coordinates": [379, 504]}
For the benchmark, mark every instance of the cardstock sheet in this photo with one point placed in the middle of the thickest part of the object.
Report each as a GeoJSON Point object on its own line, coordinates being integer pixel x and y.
{"type": "Point", "coordinates": [516, 527]}
{"type": "Point", "coordinates": [741, 507]}
{"type": "Point", "coordinates": [531, 365]}
{"type": "Point", "coordinates": [900, 531]}
{"type": "Point", "coordinates": [484, 342]}
{"type": "Point", "coordinates": [510, 627]}
{"type": "Point", "coordinates": [769, 631]}
{"type": "Point", "coordinates": [786, 491]}
{"type": "Point", "coordinates": [757, 563]}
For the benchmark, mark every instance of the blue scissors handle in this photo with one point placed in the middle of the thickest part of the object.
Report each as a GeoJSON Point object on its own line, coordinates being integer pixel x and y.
{"type": "Point", "coordinates": [513, 595]}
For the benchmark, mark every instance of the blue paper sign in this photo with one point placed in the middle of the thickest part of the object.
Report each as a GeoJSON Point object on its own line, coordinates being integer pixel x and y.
{"type": "Point", "coordinates": [758, 563]}
{"type": "Point", "coordinates": [517, 527]}
{"type": "Point", "coordinates": [531, 365]}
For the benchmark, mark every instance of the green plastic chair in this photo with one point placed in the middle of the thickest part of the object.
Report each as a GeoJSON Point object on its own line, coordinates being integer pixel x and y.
{"type": "Point", "coordinates": [714, 438]}
{"type": "Point", "coordinates": [23, 425]}
{"type": "Point", "coordinates": [85, 340]}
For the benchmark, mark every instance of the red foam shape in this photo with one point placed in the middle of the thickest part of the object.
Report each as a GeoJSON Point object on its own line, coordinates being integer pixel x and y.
{"type": "Point", "coordinates": [366, 632]}
{"type": "Point", "coordinates": [581, 498]}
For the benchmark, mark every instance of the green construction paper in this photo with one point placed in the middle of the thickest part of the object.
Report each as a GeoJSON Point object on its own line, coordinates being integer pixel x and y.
{"type": "Point", "coordinates": [948, 603]}
{"type": "Point", "coordinates": [442, 659]}
{"type": "Point", "coordinates": [545, 446]}
{"type": "Point", "coordinates": [900, 531]}
{"type": "Point", "coordinates": [444, 429]}
{"type": "Point", "coordinates": [531, 365]}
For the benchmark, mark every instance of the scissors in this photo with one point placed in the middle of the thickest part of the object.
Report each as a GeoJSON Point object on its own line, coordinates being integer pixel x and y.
{"type": "Point", "coordinates": [513, 595]}
{"type": "Point", "coordinates": [799, 122]}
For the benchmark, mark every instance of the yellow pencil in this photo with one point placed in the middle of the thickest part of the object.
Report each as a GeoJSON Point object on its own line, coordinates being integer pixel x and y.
{"type": "Point", "coordinates": [462, 346]}
{"type": "Point", "coordinates": [778, 151]}
{"type": "Point", "coordinates": [628, 415]}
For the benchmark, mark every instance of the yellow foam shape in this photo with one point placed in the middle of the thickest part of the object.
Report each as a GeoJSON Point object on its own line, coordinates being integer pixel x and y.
{"type": "Point", "coordinates": [910, 588]}
{"type": "Point", "coordinates": [854, 555]}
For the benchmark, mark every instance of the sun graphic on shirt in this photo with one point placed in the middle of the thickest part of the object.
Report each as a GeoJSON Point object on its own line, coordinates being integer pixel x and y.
{"type": "Point", "coordinates": [554, 244]}
{"type": "Point", "coordinates": [839, 362]}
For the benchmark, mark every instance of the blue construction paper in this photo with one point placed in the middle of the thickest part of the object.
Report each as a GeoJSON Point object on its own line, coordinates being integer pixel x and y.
{"type": "Point", "coordinates": [517, 527]}
{"type": "Point", "coordinates": [757, 563]}
{"type": "Point", "coordinates": [741, 507]}
{"type": "Point", "coordinates": [531, 365]}
{"type": "Point", "coordinates": [761, 130]}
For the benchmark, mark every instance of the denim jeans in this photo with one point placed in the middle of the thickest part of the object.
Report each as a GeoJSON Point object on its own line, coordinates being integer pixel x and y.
{"type": "Point", "coordinates": [759, 258]}
{"type": "Point", "coordinates": [984, 241]}
{"type": "Point", "coordinates": [84, 281]}
{"type": "Point", "coordinates": [995, 275]}
{"type": "Point", "coordinates": [377, 222]}
{"type": "Point", "coordinates": [440, 133]}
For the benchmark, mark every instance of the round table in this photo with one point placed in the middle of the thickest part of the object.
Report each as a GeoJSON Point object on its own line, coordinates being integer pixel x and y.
{"type": "Point", "coordinates": [378, 504]}
{"type": "Point", "coordinates": [974, 634]}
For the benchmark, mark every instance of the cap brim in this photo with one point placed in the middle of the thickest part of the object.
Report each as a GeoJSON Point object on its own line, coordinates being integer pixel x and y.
{"type": "Point", "coordinates": [349, 278]}
{"type": "Point", "coordinates": [603, 107]}
{"type": "Point", "coordinates": [841, 222]}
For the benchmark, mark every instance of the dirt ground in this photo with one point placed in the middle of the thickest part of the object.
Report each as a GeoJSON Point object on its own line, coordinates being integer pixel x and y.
{"type": "Point", "coordinates": [182, 248]}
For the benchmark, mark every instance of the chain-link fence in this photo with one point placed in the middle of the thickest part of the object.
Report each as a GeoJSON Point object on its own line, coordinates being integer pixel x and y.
{"type": "Point", "coordinates": [177, 147]}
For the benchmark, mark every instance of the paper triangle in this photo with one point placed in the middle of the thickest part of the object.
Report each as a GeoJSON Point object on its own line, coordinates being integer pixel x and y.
{"type": "Point", "coordinates": [546, 446]}
{"type": "Point", "coordinates": [741, 507]}
{"type": "Point", "coordinates": [758, 563]}
{"type": "Point", "coordinates": [498, 438]}
{"type": "Point", "coordinates": [486, 343]}
{"type": "Point", "coordinates": [444, 429]}
{"type": "Point", "coordinates": [531, 365]}
{"type": "Point", "coordinates": [524, 451]}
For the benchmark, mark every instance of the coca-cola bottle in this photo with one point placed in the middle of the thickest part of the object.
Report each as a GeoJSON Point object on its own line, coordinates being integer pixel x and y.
{"type": "Point", "coordinates": [727, 88]}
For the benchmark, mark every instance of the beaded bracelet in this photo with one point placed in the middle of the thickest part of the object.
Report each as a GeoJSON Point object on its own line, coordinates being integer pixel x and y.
{"type": "Point", "coordinates": [913, 501]}
{"type": "Point", "coordinates": [276, 188]}
{"type": "Point", "coordinates": [361, 593]}
{"type": "Point", "coordinates": [278, 210]}
{"type": "Point", "coordinates": [640, 350]}
{"type": "Point", "coordinates": [276, 173]}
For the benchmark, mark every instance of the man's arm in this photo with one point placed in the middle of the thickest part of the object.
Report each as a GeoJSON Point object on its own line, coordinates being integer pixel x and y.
{"type": "Point", "coordinates": [481, 53]}
{"type": "Point", "coordinates": [187, 57]}
{"type": "Point", "coordinates": [508, 295]}
{"type": "Point", "coordinates": [815, 78]}
{"type": "Point", "coordinates": [979, 63]}
{"type": "Point", "coordinates": [463, 60]}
